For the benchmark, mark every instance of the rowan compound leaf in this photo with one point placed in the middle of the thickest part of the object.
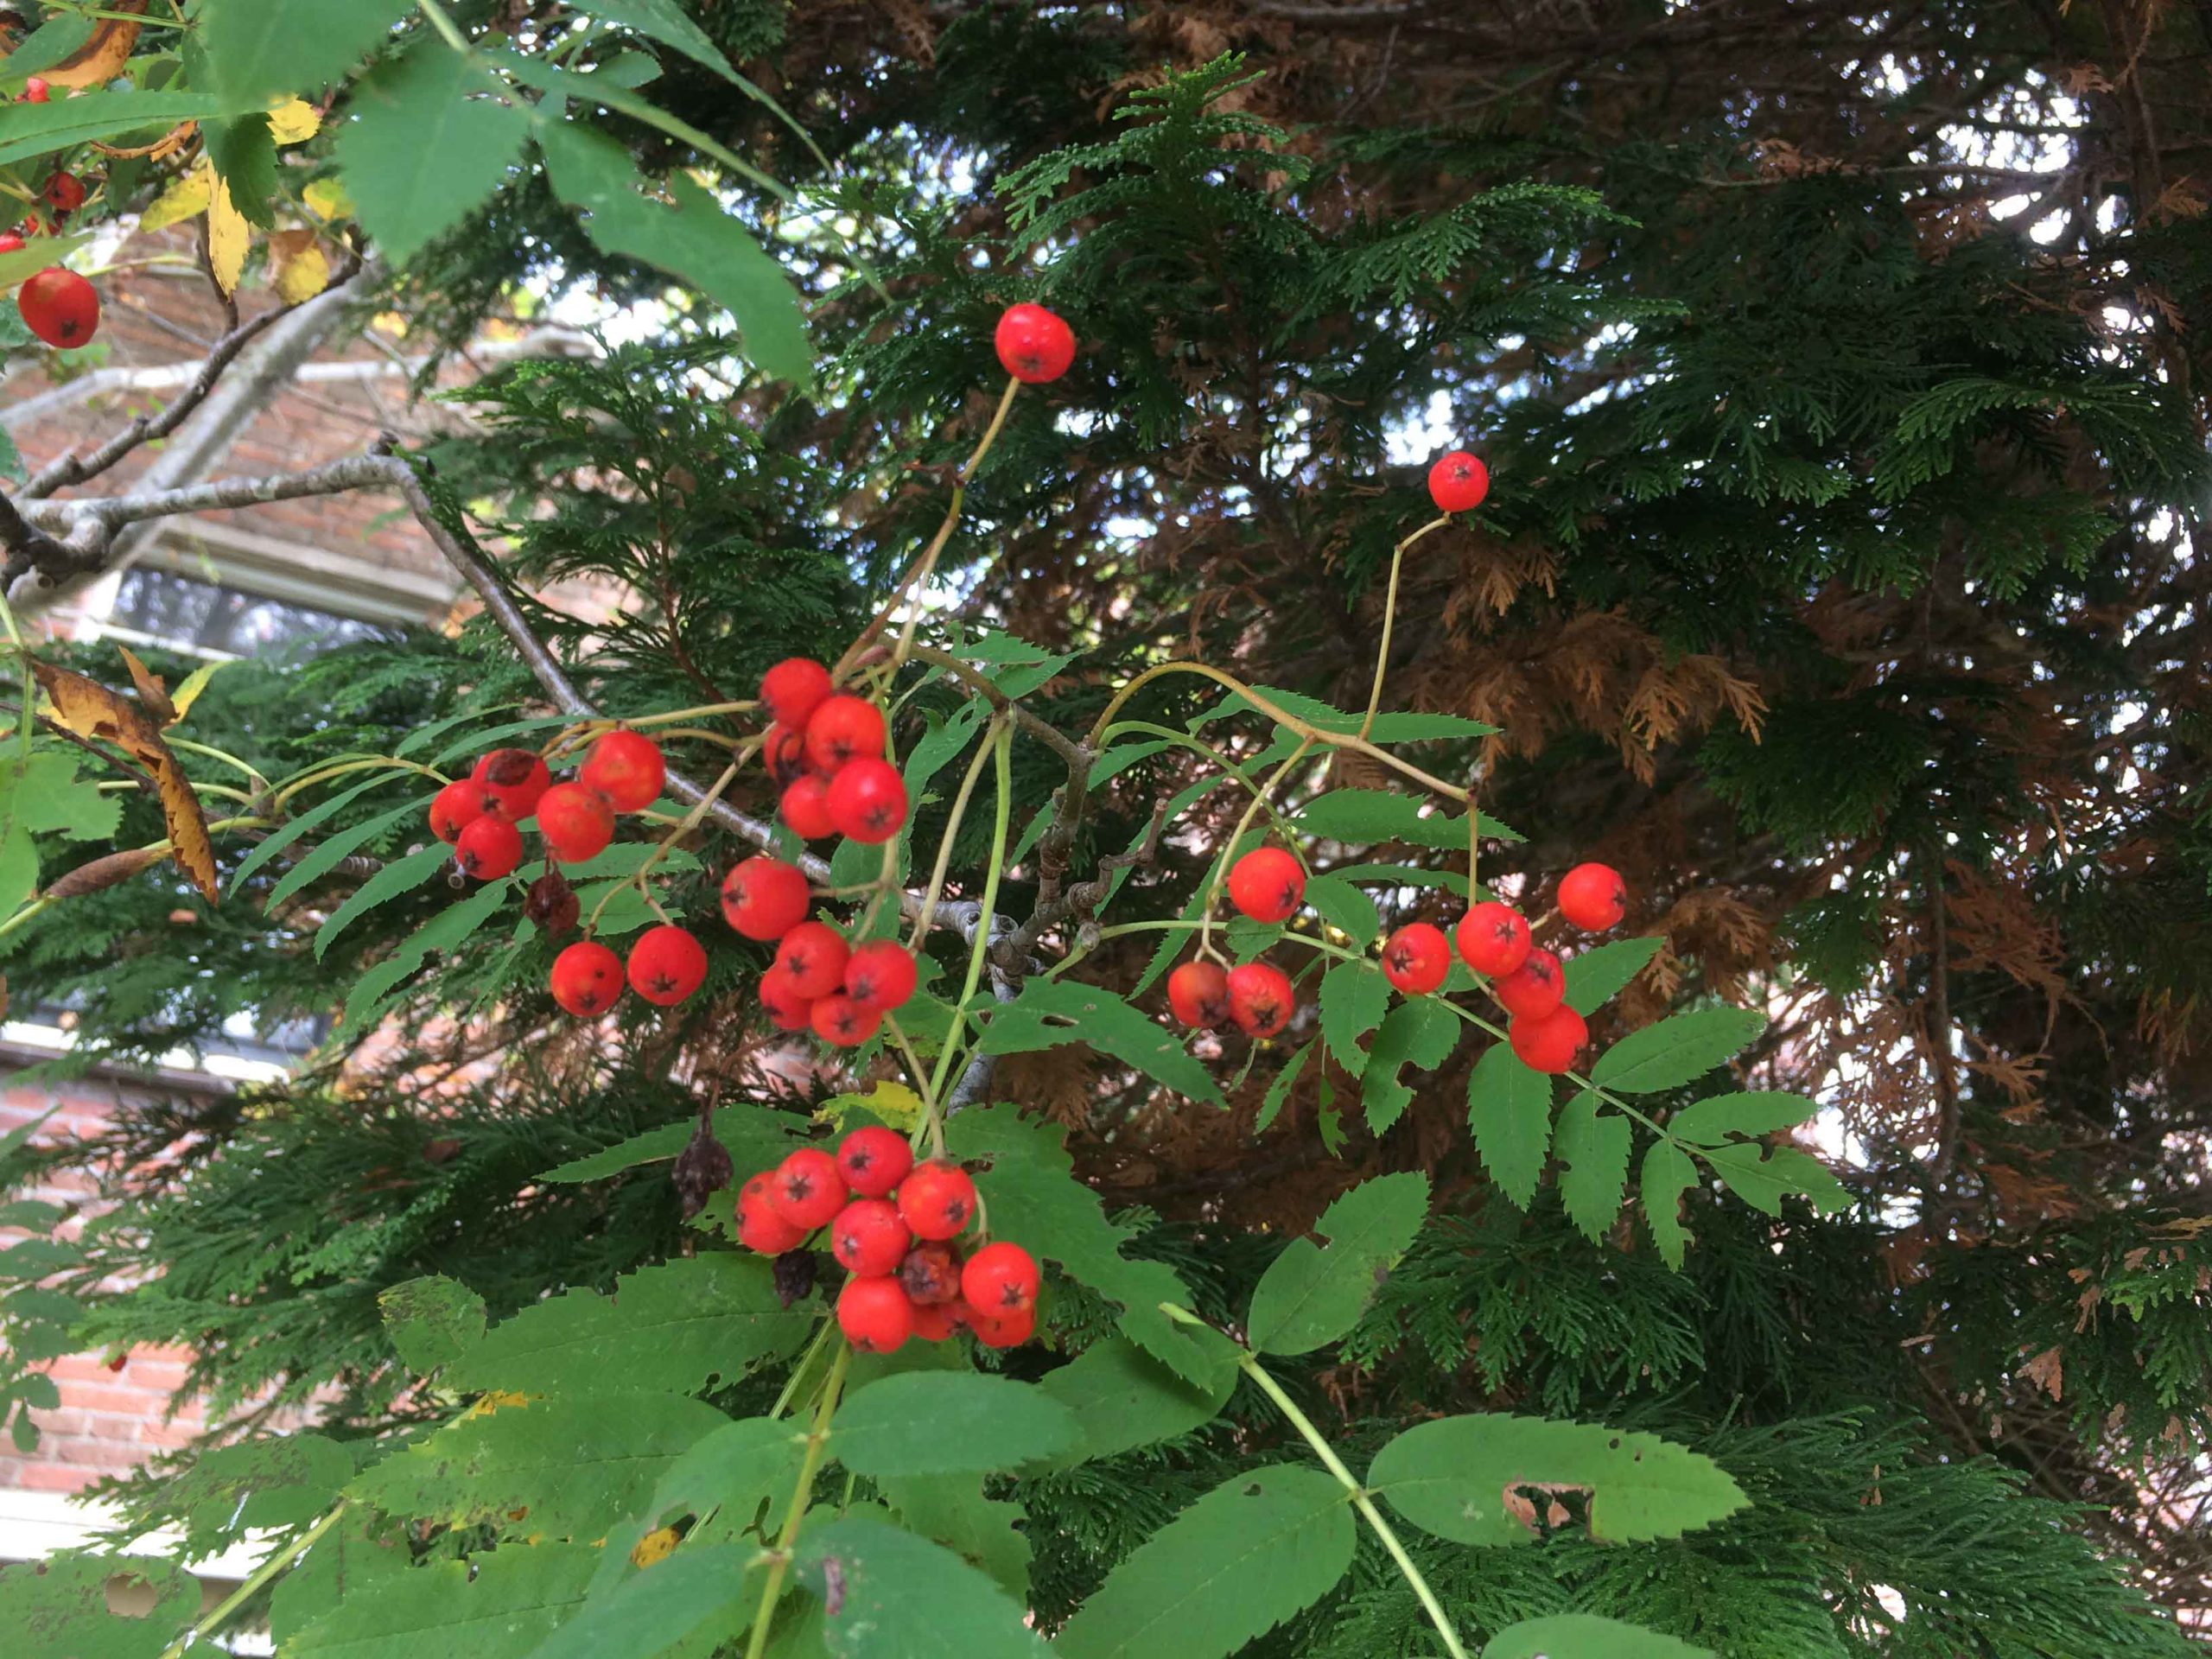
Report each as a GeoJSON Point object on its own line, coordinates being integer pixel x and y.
{"type": "Point", "coordinates": [432, 1321]}
{"type": "Point", "coordinates": [1667, 1172]}
{"type": "Point", "coordinates": [888, 1594]}
{"type": "Point", "coordinates": [1123, 1398]}
{"type": "Point", "coordinates": [1679, 1049]}
{"type": "Point", "coordinates": [427, 137]}
{"type": "Point", "coordinates": [90, 710]}
{"type": "Point", "coordinates": [686, 1605]}
{"type": "Point", "coordinates": [1421, 1031]}
{"type": "Point", "coordinates": [1593, 1155]}
{"type": "Point", "coordinates": [38, 129]}
{"type": "Point", "coordinates": [402, 874]}
{"type": "Point", "coordinates": [1051, 1011]}
{"type": "Point", "coordinates": [1595, 976]}
{"type": "Point", "coordinates": [1586, 1636]}
{"type": "Point", "coordinates": [984, 1532]}
{"type": "Point", "coordinates": [61, 1607]}
{"type": "Point", "coordinates": [1344, 907]}
{"type": "Point", "coordinates": [256, 48]}
{"type": "Point", "coordinates": [1311, 1295]}
{"type": "Point", "coordinates": [498, 1605]}
{"type": "Point", "coordinates": [1509, 1112]}
{"type": "Point", "coordinates": [1353, 999]}
{"type": "Point", "coordinates": [1760, 1176]}
{"type": "Point", "coordinates": [1260, 1549]}
{"type": "Point", "coordinates": [1491, 1479]}
{"type": "Point", "coordinates": [1718, 1119]}
{"type": "Point", "coordinates": [949, 1422]}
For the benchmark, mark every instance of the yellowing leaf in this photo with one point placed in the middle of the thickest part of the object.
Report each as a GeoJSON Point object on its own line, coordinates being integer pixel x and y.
{"type": "Point", "coordinates": [327, 198]}
{"type": "Point", "coordinates": [390, 322]}
{"type": "Point", "coordinates": [100, 60]}
{"type": "Point", "coordinates": [654, 1547]}
{"type": "Point", "coordinates": [181, 201]}
{"type": "Point", "coordinates": [228, 238]}
{"type": "Point", "coordinates": [891, 1103]}
{"type": "Point", "coordinates": [195, 682]}
{"type": "Point", "coordinates": [293, 121]}
{"type": "Point", "coordinates": [302, 271]}
{"type": "Point", "coordinates": [496, 1399]}
{"type": "Point", "coordinates": [153, 691]}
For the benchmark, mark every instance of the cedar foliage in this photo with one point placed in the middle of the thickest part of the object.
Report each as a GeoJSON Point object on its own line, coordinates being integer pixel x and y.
{"type": "Point", "coordinates": [1836, 586]}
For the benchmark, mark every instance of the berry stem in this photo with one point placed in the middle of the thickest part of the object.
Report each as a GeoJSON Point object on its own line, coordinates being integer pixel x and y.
{"type": "Point", "coordinates": [935, 889]}
{"type": "Point", "coordinates": [818, 1441]}
{"type": "Point", "coordinates": [1229, 768]}
{"type": "Point", "coordinates": [1390, 617]}
{"type": "Point", "coordinates": [995, 866]}
{"type": "Point", "coordinates": [688, 824]}
{"type": "Point", "coordinates": [323, 774]}
{"type": "Point", "coordinates": [260, 783]}
{"type": "Point", "coordinates": [1313, 1437]}
{"type": "Point", "coordinates": [1260, 794]}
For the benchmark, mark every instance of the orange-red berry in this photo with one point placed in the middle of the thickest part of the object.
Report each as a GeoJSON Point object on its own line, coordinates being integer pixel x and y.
{"type": "Point", "coordinates": [881, 975]}
{"type": "Point", "coordinates": [1004, 1329]}
{"type": "Point", "coordinates": [1267, 884]}
{"type": "Point", "coordinates": [1458, 482]}
{"type": "Point", "coordinates": [844, 729]}
{"type": "Point", "coordinates": [1594, 897]}
{"type": "Point", "coordinates": [666, 965]}
{"type": "Point", "coordinates": [867, 800]}
{"type": "Point", "coordinates": [63, 191]}
{"type": "Point", "coordinates": [875, 1314]}
{"type": "Point", "coordinates": [842, 1023]}
{"type": "Point", "coordinates": [1550, 1042]}
{"type": "Point", "coordinates": [1261, 999]}
{"type": "Point", "coordinates": [931, 1274]}
{"type": "Point", "coordinates": [759, 1227]}
{"type": "Point", "coordinates": [586, 978]}
{"type": "Point", "coordinates": [764, 898]}
{"type": "Point", "coordinates": [999, 1280]}
{"type": "Point", "coordinates": [59, 306]}
{"type": "Point", "coordinates": [577, 822]}
{"type": "Point", "coordinates": [791, 1011]}
{"type": "Point", "coordinates": [937, 1199]}
{"type": "Point", "coordinates": [783, 752]}
{"type": "Point", "coordinates": [935, 1323]}
{"type": "Point", "coordinates": [814, 955]}
{"type": "Point", "coordinates": [794, 690]}
{"type": "Point", "coordinates": [627, 767]}
{"type": "Point", "coordinates": [488, 849]}
{"type": "Point", "coordinates": [873, 1160]}
{"type": "Point", "coordinates": [513, 782]}
{"type": "Point", "coordinates": [454, 808]}
{"type": "Point", "coordinates": [1033, 344]}
{"type": "Point", "coordinates": [1198, 995]}
{"type": "Point", "coordinates": [804, 807]}
{"type": "Point", "coordinates": [1493, 938]}
{"type": "Point", "coordinates": [806, 1190]}
{"type": "Point", "coordinates": [1417, 958]}
{"type": "Point", "coordinates": [868, 1237]}
{"type": "Point", "coordinates": [1533, 988]}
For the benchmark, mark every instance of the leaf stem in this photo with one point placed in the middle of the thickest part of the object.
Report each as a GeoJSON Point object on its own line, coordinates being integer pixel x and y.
{"type": "Point", "coordinates": [995, 866]}
{"type": "Point", "coordinates": [1390, 617]}
{"type": "Point", "coordinates": [818, 1441]}
{"type": "Point", "coordinates": [935, 889]}
{"type": "Point", "coordinates": [279, 1558]}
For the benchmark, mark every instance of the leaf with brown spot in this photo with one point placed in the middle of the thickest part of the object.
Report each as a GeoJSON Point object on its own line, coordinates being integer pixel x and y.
{"type": "Point", "coordinates": [90, 710]}
{"type": "Point", "coordinates": [153, 690]}
{"type": "Point", "coordinates": [100, 60]}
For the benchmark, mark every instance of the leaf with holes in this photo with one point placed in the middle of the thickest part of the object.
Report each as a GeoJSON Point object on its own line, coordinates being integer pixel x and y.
{"type": "Point", "coordinates": [1678, 1050]}
{"type": "Point", "coordinates": [431, 1321]}
{"type": "Point", "coordinates": [1310, 1295]}
{"type": "Point", "coordinates": [887, 1594]}
{"type": "Point", "coordinates": [60, 1608]}
{"type": "Point", "coordinates": [1354, 998]}
{"type": "Point", "coordinates": [1422, 1031]}
{"type": "Point", "coordinates": [1667, 1172]}
{"type": "Point", "coordinates": [1510, 1113]}
{"type": "Point", "coordinates": [498, 1605]}
{"type": "Point", "coordinates": [1594, 1153]}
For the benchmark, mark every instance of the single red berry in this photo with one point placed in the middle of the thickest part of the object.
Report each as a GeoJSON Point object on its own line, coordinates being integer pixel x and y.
{"type": "Point", "coordinates": [1550, 1042]}
{"type": "Point", "coordinates": [1493, 938]}
{"type": "Point", "coordinates": [586, 978]}
{"type": "Point", "coordinates": [842, 1023]}
{"type": "Point", "coordinates": [514, 781]}
{"type": "Point", "coordinates": [59, 306]}
{"type": "Point", "coordinates": [1266, 884]}
{"type": "Point", "coordinates": [666, 965]}
{"type": "Point", "coordinates": [456, 806]}
{"type": "Point", "coordinates": [794, 690]}
{"type": "Point", "coordinates": [626, 767]}
{"type": "Point", "coordinates": [814, 955]}
{"type": "Point", "coordinates": [999, 1280]}
{"type": "Point", "coordinates": [783, 752]}
{"type": "Point", "coordinates": [869, 1238]}
{"type": "Point", "coordinates": [791, 1011]}
{"type": "Point", "coordinates": [1261, 999]}
{"type": "Point", "coordinates": [1594, 897]}
{"type": "Point", "coordinates": [805, 808]}
{"type": "Point", "coordinates": [63, 191]}
{"type": "Point", "coordinates": [844, 729]}
{"type": "Point", "coordinates": [1533, 988]}
{"type": "Point", "coordinates": [931, 1275]}
{"type": "Point", "coordinates": [576, 822]}
{"type": "Point", "coordinates": [875, 1314]}
{"type": "Point", "coordinates": [934, 1324]}
{"type": "Point", "coordinates": [10, 243]}
{"type": "Point", "coordinates": [1417, 958]}
{"type": "Point", "coordinates": [1034, 345]}
{"type": "Point", "coordinates": [1458, 483]}
{"type": "Point", "coordinates": [759, 1227]}
{"type": "Point", "coordinates": [1004, 1329]}
{"type": "Point", "coordinates": [806, 1189]}
{"type": "Point", "coordinates": [937, 1199]}
{"type": "Point", "coordinates": [873, 1160]}
{"type": "Point", "coordinates": [488, 849]}
{"type": "Point", "coordinates": [1198, 995]}
{"type": "Point", "coordinates": [867, 800]}
{"type": "Point", "coordinates": [764, 898]}
{"type": "Point", "coordinates": [36, 90]}
{"type": "Point", "coordinates": [881, 975]}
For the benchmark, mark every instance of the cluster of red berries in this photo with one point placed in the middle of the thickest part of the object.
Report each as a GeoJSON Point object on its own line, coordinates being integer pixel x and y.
{"type": "Point", "coordinates": [818, 980]}
{"type": "Point", "coordinates": [57, 305]}
{"type": "Point", "coordinates": [824, 749]}
{"type": "Point", "coordinates": [893, 1225]}
{"type": "Point", "coordinates": [1269, 884]}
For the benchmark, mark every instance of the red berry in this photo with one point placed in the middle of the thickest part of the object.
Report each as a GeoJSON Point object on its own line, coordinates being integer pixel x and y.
{"type": "Point", "coordinates": [881, 975]}
{"type": "Point", "coordinates": [1532, 989]}
{"type": "Point", "coordinates": [1550, 1042]}
{"type": "Point", "coordinates": [814, 955]}
{"type": "Point", "coordinates": [1198, 995]}
{"type": "Point", "coordinates": [934, 1324]}
{"type": "Point", "coordinates": [576, 822]}
{"type": "Point", "coordinates": [666, 965]}
{"type": "Point", "coordinates": [764, 898]}
{"type": "Point", "coordinates": [1004, 1329]}
{"type": "Point", "coordinates": [868, 801]}
{"type": "Point", "coordinates": [931, 1275]}
{"type": "Point", "coordinates": [63, 191]}
{"type": "Point", "coordinates": [514, 781]}
{"type": "Point", "coordinates": [1493, 938]}
{"type": "Point", "coordinates": [873, 1160]}
{"type": "Point", "coordinates": [937, 1199]}
{"type": "Point", "coordinates": [759, 1227]}
{"type": "Point", "coordinates": [488, 849]}
{"type": "Point", "coordinates": [869, 1238]}
{"type": "Point", "coordinates": [783, 752]}
{"type": "Point", "coordinates": [1594, 897]}
{"type": "Point", "coordinates": [1458, 483]}
{"type": "Point", "coordinates": [806, 1190]}
{"type": "Point", "coordinates": [35, 91]}
{"type": "Point", "coordinates": [794, 690]}
{"type": "Point", "coordinates": [805, 808]}
{"type": "Point", "coordinates": [1417, 958]}
{"type": "Point", "coordinates": [1261, 999]}
{"type": "Point", "coordinates": [59, 306]}
{"type": "Point", "coordinates": [791, 1011]}
{"type": "Point", "coordinates": [1000, 1280]}
{"type": "Point", "coordinates": [875, 1314]}
{"type": "Point", "coordinates": [627, 768]}
{"type": "Point", "coordinates": [1034, 345]}
{"type": "Point", "coordinates": [586, 978]}
{"type": "Point", "coordinates": [1266, 884]}
{"type": "Point", "coordinates": [842, 1023]}
{"type": "Point", "coordinates": [10, 243]}
{"type": "Point", "coordinates": [456, 806]}
{"type": "Point", "coordinates": [843, 728]}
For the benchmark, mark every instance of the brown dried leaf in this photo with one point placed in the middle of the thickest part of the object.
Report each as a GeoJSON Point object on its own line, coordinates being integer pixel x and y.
{"type": "Point", "coordinates": [90, 710]}
{"type": "Point", "coordinates": [106, 872]}
{"type": "Point", "coordinates": [2046, 1371]}
{"type": "Point", "coordinates": [100, 60]}
{"type": "Point", "coordinates": [153, 690]}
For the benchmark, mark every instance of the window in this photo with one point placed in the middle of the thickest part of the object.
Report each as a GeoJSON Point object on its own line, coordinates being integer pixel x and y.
{"type": "Point", "coordinates": [203, 616]}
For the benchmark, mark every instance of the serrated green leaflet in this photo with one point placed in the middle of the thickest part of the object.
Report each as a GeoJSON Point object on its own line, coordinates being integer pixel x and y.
{"type": "Point", "coordinates": [35, 128]}
{"type": "Point", "coordinates": [1051, 1011]}
{"type": "Point", "coordinates": [1310, 1295]}
{"type": "Point", "coordinates": [314, 818]}
{"type": "Point", "coordinates": [677, 1326]}
{"type": "Point", "coordinates": [1122, 1397]}
{"type": "Point", "coordinates": [723, 1478]}
{"type": "Point", "coordinates": [1510, 1114]}
{"type": "Point", "coordinates": [1354, 998]}
{"type": "Point", "coordinates": [1666, 1174]}
{"type": "Point", "coordinates": [1460, 1478]}
{"type": "Point", "coordinates": [256, 48]}
{"type": "Point", "coordinates": [541, 1468]}
{"type": "Point", "coordinates": [684, 1607]}
{"type": "Point", "coordinates": [665, 21]}
{"type": "Point", "coordinates": [949, 1422]}
{"type": "Point", "coordinates": [427, 139]}
{"type": "Point", "coordinates": [887, 1594]}
{"type": "Point", "coordinates": [1595, 976]}
{"type": "Point", "coordinates": [324, 856]}
{"type": "Point", "coordinates": [1420, 1031]}
{"type": "Point", "coordinates": [952, 1511]}
{"type": "Point", "coordinates": [1259, 1548]}
{"type": "Point", "coordinates": [1279, 1091]}
{"type": "Point", "coordinates": [1718, 1119]}
{"type": "Point", "coordinates": [755, 1137]}
{"type": "Point", "coordinates": [444, 930]}
{"type": "Point", "coordinates": [1761, 1175]}
{"type": "Point", "coordinates": [401, 875]}
{"type": "Point", "coordinates": [1344, 907]}
{"type": "Point", "coordinates": [1363, 817]}
{"type": "Point", "coordinates": [431, 1321]}
{"type": "Point", "coordinates": [284, 1482]}
{"type": "Point", "coordinates": [1678, 1050]}
{"type": "Point", "coordinates": [495, 1606]}
{"type": "Point", "coordinates": [1592, 1151]}
{"type": "Point", "coordinates": [1586, 1636]}
{"type": "Point", "coordinates": [58, 1608]}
